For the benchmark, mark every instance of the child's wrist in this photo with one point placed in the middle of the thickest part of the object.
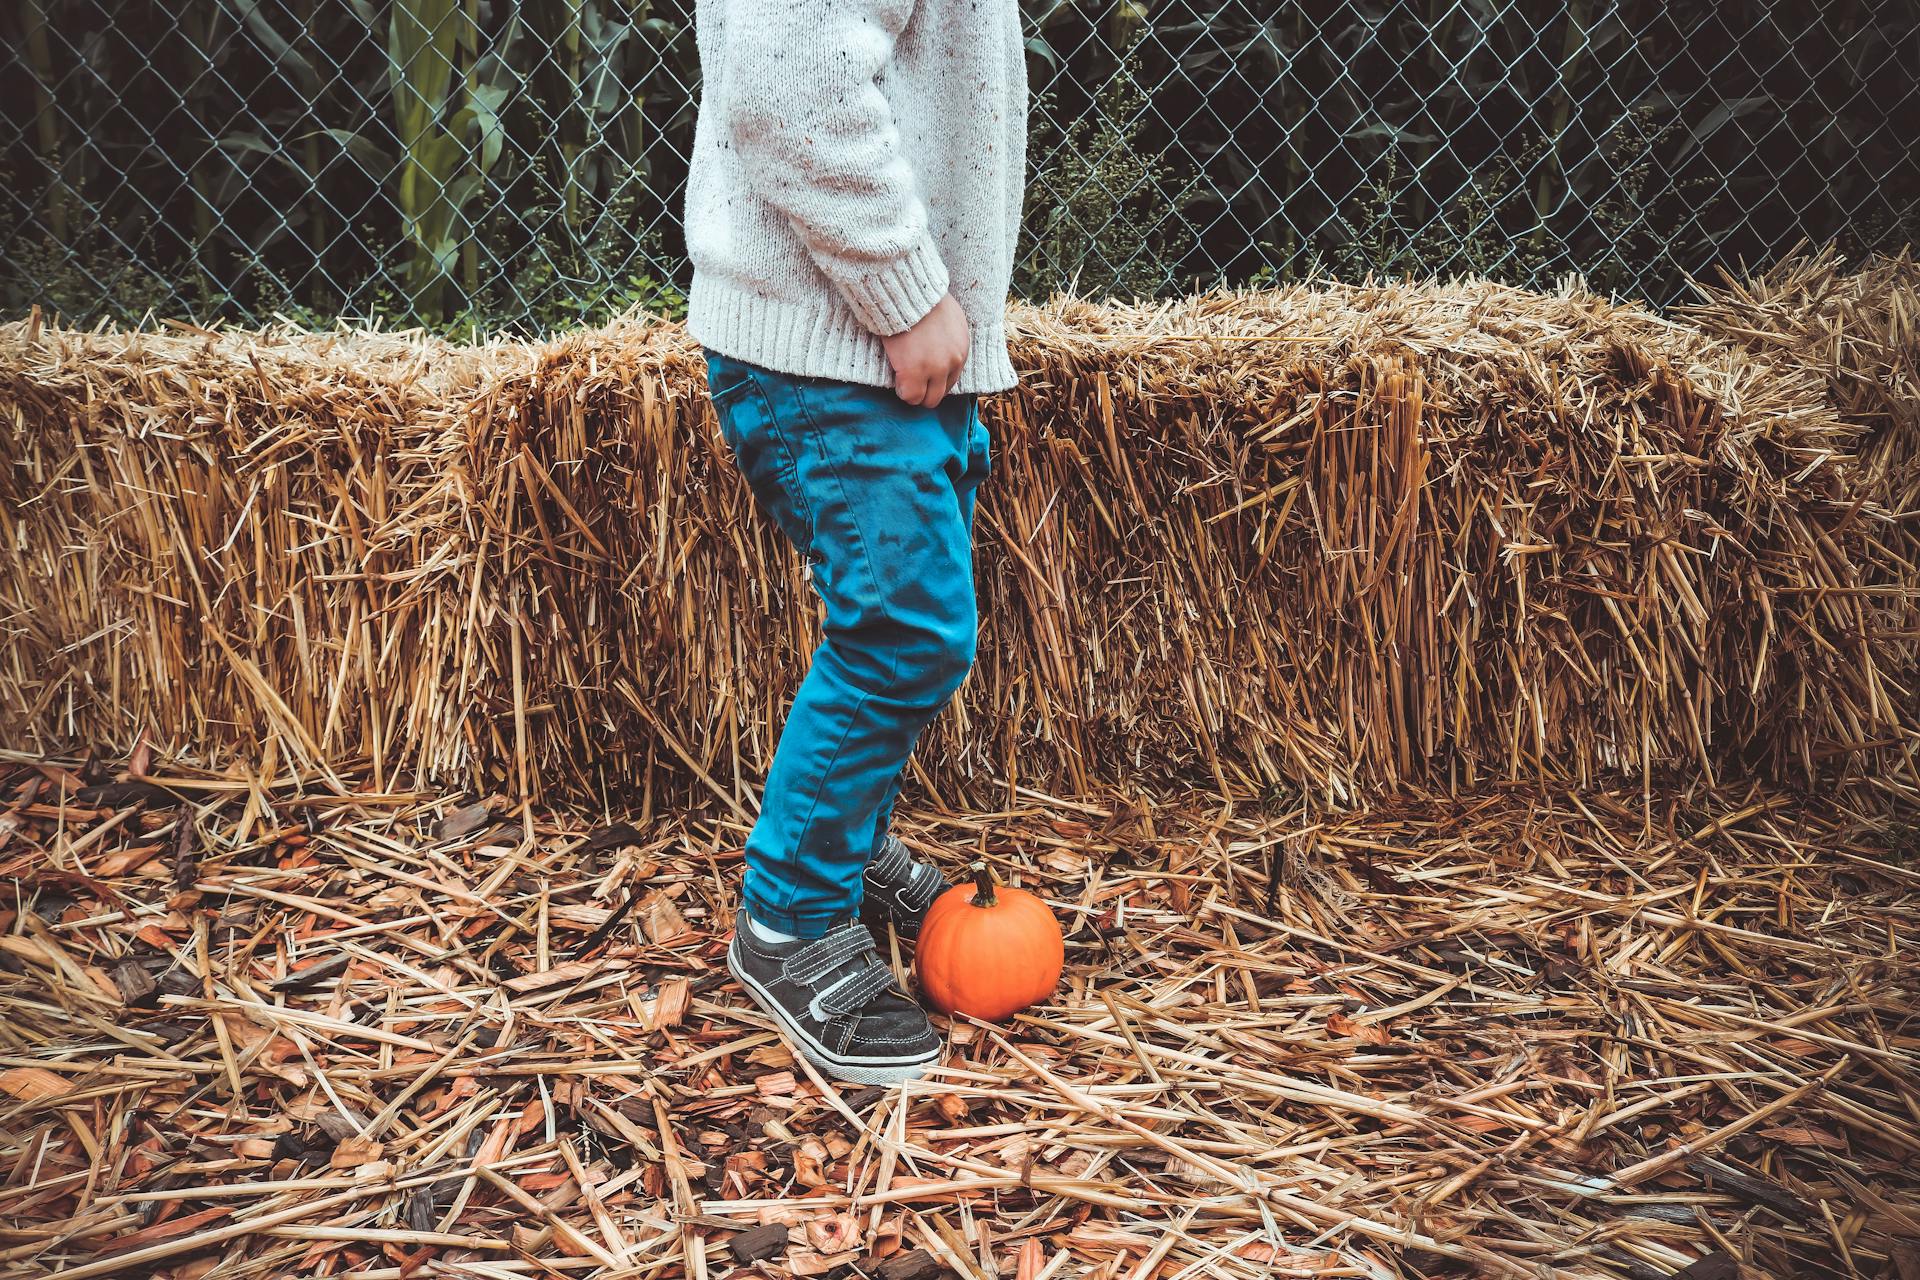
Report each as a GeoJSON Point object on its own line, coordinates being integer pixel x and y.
{"type": "Point", "coordinates": [894, 297]}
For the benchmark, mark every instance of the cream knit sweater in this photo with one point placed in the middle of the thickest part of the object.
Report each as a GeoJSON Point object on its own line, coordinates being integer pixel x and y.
{"type": "Point", "coordinates": [853, 161]}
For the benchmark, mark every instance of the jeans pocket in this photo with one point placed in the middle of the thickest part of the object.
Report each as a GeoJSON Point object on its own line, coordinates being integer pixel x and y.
{"type": "Point", "coordinates": [979, 442]}
{"type": "Point", "coordinates": [731, 392]}
{"type": "Point", "coordinates": [751, 426]}
{"type": "Point", "coordinates": [727, 379]}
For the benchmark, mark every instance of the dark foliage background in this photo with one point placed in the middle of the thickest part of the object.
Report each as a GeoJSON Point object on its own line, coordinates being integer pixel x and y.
{"type": "Point", "coordinates": [483, 163]}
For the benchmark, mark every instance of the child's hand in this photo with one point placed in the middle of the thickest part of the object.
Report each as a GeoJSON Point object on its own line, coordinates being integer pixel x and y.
{"type": "Point", "coordinates": [927, 358]}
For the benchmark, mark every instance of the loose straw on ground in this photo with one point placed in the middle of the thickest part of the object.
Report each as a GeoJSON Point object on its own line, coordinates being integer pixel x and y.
{"type": "Point", "coordinates": [1521, 1033]}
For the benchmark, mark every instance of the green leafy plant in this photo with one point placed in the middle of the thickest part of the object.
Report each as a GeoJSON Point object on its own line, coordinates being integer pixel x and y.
{"type": "Point", "coordinates": [552, 281]}
{"type": "Point", "coordinates": [562, 277]}
{"type": "Point", "coordinates": [1099, 210]}
{"type": "Point", "coordinates": [1471, 231]}
{"type": "Point", "coordinates": [225, 158]}
{"type": "Point", "coordinates": [72, 276]}
{"type": "Point", "coordinates": [435, 178]}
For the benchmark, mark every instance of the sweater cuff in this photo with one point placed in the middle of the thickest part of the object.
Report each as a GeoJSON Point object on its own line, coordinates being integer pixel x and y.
{"type": "Point", "coordinates": [893, 298]}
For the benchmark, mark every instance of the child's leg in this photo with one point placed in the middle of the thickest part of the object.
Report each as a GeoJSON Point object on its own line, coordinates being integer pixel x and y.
{"type": "Point", "coordinates": [978, 465]}
{"type": "Point", "coordinates": [879, 493]}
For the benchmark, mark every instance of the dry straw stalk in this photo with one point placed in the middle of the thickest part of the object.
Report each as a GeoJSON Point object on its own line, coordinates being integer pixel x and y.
{"type": "Point", "coordinates": [1526, 1034]}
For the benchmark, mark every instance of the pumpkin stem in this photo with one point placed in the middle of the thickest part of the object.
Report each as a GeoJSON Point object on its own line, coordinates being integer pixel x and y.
{"type": "Point", "coordinates": [983, 885]}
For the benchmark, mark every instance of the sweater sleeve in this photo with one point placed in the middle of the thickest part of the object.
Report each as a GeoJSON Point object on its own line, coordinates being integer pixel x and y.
{"type": "Point", "coordinates": [818, 141]}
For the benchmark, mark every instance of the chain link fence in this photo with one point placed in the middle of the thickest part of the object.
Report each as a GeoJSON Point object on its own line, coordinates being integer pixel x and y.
{"type": "Point", "coordinates": [481, 164]}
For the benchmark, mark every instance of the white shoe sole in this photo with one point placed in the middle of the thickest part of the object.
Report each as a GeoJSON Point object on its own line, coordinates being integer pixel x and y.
{"type": "Point", "coordinates": [864, 1071]}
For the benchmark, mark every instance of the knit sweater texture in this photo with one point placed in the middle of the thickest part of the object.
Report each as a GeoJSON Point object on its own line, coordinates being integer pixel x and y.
{"type": "Point", "coordinates": [853, 162]}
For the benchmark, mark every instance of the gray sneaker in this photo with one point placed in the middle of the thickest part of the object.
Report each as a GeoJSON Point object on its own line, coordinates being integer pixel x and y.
{"type": "Point", "coordinates": [837, 1003]}
{"type": "Point", "coordinates": [899, 890]}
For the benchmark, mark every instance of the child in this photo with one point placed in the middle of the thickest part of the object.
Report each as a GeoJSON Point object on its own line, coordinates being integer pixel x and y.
{"type": "Point", "coordinates": [851, 211]}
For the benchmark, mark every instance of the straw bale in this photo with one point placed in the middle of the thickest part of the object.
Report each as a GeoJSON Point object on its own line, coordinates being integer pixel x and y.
{"type": "Point", "coordinates": [1334, 540]}
{"type": "Point", "coordinates": [1859, 332]}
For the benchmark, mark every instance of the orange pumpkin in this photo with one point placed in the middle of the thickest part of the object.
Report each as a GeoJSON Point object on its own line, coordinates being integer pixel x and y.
{"type": "Point", "coordinates": [988, 950]}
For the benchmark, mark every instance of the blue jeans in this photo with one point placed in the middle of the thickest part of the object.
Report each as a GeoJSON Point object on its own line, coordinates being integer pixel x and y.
{"type": "Point", "coordinates": [878, 495]}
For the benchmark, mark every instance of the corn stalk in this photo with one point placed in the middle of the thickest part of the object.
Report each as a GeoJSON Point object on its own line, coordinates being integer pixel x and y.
{"type": "Point", "coordinates": [310, 145]}
{"type": "Point", "coordinates": [558, 26]}
{"type": "Point", "coordinates": [1573, 45]}
{"type": "Point", "coordinates": [33, 20]}
{"type": "Point", "coordinates": [435, 179]}
{"type": "Point", "coordinates": [201, 28]}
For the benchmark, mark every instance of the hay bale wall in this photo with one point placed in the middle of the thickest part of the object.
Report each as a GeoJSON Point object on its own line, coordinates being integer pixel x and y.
{"type": "Point", "coordinates": [1857, 332]}
{"type": "Point", "coordinates": [1340, 540]}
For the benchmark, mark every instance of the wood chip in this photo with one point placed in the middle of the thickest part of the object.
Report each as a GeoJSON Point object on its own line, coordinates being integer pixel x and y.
{"type": "Point", "coordinates": [759, 1244]}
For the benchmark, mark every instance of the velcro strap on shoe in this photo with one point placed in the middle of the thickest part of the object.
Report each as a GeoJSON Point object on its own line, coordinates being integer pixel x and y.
{"type": "Point", "coordinates": [855, 993]}
{"type": "Point", "coordinates": [893, 874]}
{"type": "Point", "coordinates": [891, 863]}
{"type": "Point", "coordinates": [926, 885]}
{"type": "Point", "coordinates": [816, 960]}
